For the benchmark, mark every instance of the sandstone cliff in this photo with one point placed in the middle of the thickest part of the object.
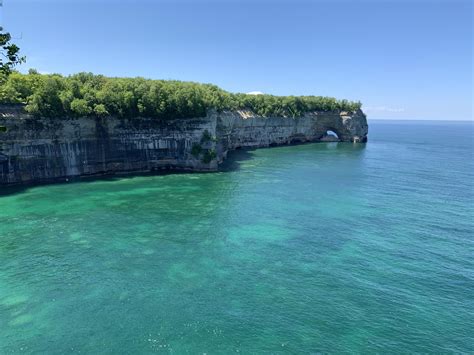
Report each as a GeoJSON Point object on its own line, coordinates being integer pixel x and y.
{"type": "Point", "coordinates": [35, 150]}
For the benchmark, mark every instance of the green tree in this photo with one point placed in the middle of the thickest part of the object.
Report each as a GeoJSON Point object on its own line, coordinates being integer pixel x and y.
{"type": "Point", "coordinates": [100, 110]}
{"type": "Point", "coordinates": [80, 108]}
{"type": "Point", "coordinates": [46, 99]}
{"type": "Point", "coordinates": [10, 54]}
{"type": "Point", "coordinates": [86, 94]}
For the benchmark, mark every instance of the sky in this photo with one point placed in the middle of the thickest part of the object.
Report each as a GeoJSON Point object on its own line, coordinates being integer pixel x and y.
{"type": "Point", "coordinates": [406, 59]}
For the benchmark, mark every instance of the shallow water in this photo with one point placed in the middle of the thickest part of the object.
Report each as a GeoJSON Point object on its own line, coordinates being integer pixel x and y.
{"type": "Point", "coordinates": [324, 247]}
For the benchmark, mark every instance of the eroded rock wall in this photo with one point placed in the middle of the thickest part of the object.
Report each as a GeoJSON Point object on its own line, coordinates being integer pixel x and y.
{"type": "Point", "coordinates": [245, 129]}
{"type": "Point", "coordinates": [35, 149]}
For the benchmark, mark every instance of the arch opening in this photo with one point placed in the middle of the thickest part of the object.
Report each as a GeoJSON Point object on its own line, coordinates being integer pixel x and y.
{"type": "Point", "coordinates": [330, 136]}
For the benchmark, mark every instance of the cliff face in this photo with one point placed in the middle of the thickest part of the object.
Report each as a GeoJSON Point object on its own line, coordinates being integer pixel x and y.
{"type": "Point", "coordinates": [35, 150]}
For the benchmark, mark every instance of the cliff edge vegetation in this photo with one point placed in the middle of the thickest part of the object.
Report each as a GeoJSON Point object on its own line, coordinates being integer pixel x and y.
{"type": "Point", "coordinates": [86, 94]}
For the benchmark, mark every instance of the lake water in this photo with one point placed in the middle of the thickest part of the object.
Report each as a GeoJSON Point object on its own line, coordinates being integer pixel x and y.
{"type": "Point", "coordinates": [329, 247]}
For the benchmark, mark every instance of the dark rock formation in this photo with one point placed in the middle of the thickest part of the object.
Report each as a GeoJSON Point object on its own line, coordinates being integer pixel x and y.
{"type": "Point", "coordinates": [36, 150]}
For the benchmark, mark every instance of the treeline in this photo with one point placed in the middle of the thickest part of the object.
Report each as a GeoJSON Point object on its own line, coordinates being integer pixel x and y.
{"type": "Point", "coordinates": [85, 94]}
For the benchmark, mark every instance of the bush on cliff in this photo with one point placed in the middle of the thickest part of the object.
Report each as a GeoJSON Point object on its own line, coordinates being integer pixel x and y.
{"type": "Point", "coordinates": [196, 150]}
{"type": "Point", "coordinates": [85, 94]}
{"type": "Point", "coordinates": [209, 156]}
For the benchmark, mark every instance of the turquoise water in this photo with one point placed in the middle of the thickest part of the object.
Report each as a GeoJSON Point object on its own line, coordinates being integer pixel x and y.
{"type": "Point", "coordinates": [324, 247]}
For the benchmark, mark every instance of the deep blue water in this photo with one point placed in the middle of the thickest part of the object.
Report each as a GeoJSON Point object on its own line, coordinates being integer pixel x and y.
{"type": "Point", "coordinates": [324, 247]}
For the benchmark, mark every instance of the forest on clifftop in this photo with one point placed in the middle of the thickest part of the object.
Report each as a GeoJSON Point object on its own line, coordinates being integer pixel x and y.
{"type": "Point", "coordinates": [86, 94]}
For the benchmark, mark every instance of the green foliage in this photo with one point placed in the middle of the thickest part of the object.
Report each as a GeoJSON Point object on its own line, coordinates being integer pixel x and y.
{"type": "Point", "coordinates": [17, 87]}
{"type": "Point", "coordinates": [196, 150]}
{"type": "Point", "coordinates": [207, 137]}
{"type": "Point", "coordinates": [85, 94]}
{"type": "Point", "coordinates": [80, 107]}
{"type": "Point", "coordinates": [10, 54]}
{"type": "Point", "coordinates": [209, 156]}
{"type": "Point", "coordinates": [47, 100]}
{"type": "Point", "coordinates": [100, 110]}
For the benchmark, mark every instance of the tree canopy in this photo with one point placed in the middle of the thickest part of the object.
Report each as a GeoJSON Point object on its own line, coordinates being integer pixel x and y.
{"type": "Point", "coordinates": [86, 94]}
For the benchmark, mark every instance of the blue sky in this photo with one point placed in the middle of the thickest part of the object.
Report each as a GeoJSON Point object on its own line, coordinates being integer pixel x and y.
{"type": "Point", "coordinates": [403, 59]}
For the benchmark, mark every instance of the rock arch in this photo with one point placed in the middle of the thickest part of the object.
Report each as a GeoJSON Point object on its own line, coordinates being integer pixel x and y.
{"type": "Point", "coordinates": [347, 127]}
{"type": "Point", "coordinates": [330, 135]}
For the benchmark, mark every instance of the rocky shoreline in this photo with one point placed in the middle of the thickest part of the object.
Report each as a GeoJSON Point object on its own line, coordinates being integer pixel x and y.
{"type": "Point", "coordinates": [36, 150]}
